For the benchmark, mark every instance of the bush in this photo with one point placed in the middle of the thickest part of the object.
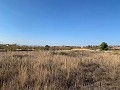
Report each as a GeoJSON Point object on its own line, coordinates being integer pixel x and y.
{"type": "Point", "coordinates": [103, 46]}
{"type": "Point", "coordinates": [47, 47]}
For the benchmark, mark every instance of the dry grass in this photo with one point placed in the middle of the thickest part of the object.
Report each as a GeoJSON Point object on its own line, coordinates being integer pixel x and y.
{"type": "Point", "coordinates": [48, 70]}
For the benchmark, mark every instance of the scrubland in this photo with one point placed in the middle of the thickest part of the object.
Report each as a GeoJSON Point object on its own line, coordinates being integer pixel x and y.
{"type": "Point", "coordinates": [60, 70]}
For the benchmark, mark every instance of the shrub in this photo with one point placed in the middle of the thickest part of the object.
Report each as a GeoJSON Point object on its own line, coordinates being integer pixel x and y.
{"type": "Point", "coordinates": [103, 46]}
{"type": "Point", "coordinates": [47, 47]}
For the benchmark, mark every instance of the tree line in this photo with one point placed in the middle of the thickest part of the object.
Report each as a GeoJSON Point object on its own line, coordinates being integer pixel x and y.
{"type": "Point", "coordinates": [15, 47]}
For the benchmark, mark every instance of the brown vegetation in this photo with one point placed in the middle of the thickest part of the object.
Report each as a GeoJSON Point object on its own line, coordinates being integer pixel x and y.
{"type": "Point", "coordinates": [53, 70]}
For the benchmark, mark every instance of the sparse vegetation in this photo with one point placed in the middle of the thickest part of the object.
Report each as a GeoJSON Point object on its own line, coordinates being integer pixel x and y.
{"type": "Point", "coordinates": [56, 70]}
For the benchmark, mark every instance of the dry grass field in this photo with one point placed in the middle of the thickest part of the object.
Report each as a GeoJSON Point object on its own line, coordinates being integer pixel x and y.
{"type": "Point", "coordinates": [65, 70]}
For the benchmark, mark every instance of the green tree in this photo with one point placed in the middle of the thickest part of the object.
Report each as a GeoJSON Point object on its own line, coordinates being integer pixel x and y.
{"type": "Point", "coordinates": [104, 46]}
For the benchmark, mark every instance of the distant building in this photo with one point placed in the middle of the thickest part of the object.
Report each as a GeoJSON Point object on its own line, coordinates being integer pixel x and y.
{"type": "Point", "coordinates": [7, 45]}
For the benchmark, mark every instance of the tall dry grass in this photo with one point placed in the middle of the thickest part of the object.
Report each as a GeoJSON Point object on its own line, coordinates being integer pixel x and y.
{"type": "Point", "coordinates": [59, 70]}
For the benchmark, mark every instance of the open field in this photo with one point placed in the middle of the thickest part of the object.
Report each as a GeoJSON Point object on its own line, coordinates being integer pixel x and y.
{"type": "Point", "coordinates": [60, 70]}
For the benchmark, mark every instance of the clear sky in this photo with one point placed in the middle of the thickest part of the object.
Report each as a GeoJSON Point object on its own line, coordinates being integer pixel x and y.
{"type": "Point", "coordinates": [60, 22]}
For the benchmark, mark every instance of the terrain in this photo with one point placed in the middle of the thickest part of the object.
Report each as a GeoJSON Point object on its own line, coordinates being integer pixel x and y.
{"type": "Point", "coordinates": [60, 70]}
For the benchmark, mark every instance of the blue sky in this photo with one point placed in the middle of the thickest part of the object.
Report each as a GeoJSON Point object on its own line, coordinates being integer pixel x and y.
{"type": "Point", "coordinates": [60, 22]}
